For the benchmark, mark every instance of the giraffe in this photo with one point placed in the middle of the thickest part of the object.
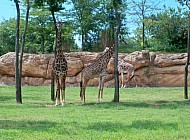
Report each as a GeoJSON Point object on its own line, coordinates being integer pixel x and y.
{"type": "Point", "coordinates": [124, 67]}
{"type": "Point", "coordinates": [60, 68]}
{"type": "Point", "coordinates": [97, 69]}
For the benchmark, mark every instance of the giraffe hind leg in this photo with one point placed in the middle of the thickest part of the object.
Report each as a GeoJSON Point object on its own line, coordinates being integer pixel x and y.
{"type": "Point", "coordinates": [82, 92]}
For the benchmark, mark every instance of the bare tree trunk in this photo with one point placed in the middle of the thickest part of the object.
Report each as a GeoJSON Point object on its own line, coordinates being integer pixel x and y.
{"type": "Point", "coordinates": [116, 95]}
{"type": "Point", "coordinates": [143, 24]}
{"type": "Point", "coordinates": [187, 63]}
{"type": "Point", "coordinates": [83, 40]}
{"type": "Point", "coordinates": [52, 76]}
{"type": "Point", "coordinates": [22, 47]}
{"type": "Point", "coordinates": [143, 36]}
{"type": "Point", "coordinates": [18, 92]}
{"type": "Point", "coordinates": [43, 40]}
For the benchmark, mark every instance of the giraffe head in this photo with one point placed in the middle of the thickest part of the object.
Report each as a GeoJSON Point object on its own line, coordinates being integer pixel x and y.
{"type": "Point", "coordinates": [111, 48]}
{"type": "Point", "coordinates": [59, 24]}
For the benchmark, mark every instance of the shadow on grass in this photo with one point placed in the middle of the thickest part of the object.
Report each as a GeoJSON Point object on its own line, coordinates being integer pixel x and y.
{"type": "Point", "coordinates": [5, 98]}
{"type": "Point", "coordinates": [153, 125]}
{"type": "Point", "coordinates": [139, 124]}
{"type": "Point", "coordinates": [26, 125]}
{"type": "Point", "coordinates": [146, 104]}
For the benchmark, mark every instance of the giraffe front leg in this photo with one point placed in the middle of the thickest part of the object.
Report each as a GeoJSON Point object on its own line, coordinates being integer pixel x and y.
{"type": "Point", "coordinates": [101, 86]}
{"type": "Point", "coordinates": [122, 80]}
{"type": "Point", "coordinates": [63, 97]}
{"type": "Point", "coordinates": [57, 92]}
{"type": "Point", "coordinates": [57, 97]}
{"type": "Point", "coordinates": [63, 91]}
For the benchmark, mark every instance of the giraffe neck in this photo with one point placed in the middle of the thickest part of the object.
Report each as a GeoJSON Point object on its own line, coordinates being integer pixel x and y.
{"type": "Point", "coordinates": [106, 56]}
{"type": "Point", "coordinates": [59, 44]}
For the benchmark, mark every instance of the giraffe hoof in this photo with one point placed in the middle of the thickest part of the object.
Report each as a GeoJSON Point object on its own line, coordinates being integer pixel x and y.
{"type": "Point", "coordinates": [99, 100]}
{"type": "Point", "coordinates": [57, 104]}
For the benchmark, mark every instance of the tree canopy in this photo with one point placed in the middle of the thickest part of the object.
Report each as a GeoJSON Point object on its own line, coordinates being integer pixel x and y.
{"type": "Point", "coordinates": [94, 23]}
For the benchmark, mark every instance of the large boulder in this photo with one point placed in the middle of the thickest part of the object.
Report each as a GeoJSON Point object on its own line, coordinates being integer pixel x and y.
{"type": "Point", "coordinates": [151, 69]}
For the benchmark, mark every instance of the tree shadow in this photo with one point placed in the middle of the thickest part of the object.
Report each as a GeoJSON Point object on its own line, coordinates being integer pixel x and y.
{"type": "Point", "coordinates": [5, 98]}
{"type": "Point", "coordinates": [139, 124]}
{"type": "Point", "coordinates": [159, 104]}
{"type": "Point", "coordinates": [153, 125]}
{"type": "Point", "coordinates": [26, 125]}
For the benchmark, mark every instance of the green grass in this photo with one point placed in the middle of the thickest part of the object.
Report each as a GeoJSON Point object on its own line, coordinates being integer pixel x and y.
{"type": "Point", "coordinates": [141, 114]}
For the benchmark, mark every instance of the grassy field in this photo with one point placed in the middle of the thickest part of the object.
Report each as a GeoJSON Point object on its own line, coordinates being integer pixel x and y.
{"type": "Point", "coordinates": [141, 114]}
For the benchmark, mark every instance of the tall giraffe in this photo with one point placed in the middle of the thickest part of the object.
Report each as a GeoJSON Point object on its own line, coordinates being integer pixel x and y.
{"type": "Point", "coordinates": [97, 69]}
{"type": "Point", "coordinates": [60, 68]}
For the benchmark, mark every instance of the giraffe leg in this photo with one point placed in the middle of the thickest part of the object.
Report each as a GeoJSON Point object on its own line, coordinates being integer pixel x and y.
{"type": "Point", "coordinates": [122, 80]}
{"type": "Point", "coordinates": [83, 88]}
{"type": "Point", "coordinates": [101, 86]}
{"type": "Point", "coordinates": [57, 92]}
{"type": "Point", "coordinates": [129, 77]}
{"type": "Point", "coordinates": [63, 90]}
{"type": "Point", "coordinates": [135, 82]}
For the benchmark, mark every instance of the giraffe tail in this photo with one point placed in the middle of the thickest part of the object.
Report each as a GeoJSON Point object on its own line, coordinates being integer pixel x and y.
{"type": "Point", "coordinates": [80, 88]}
{"type": "Point", "coordinates": [131, 77]}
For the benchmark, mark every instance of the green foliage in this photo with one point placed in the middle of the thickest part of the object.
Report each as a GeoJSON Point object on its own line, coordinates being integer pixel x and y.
{"type": "Point", "coordinates": [165, 31]}
{"type": "Point", "coordinates": [7, 35]}
{"type": "Point", "coordinates": [172, 35]}
{"type": "Point", "coordinates": [94, 22]}
{"type": "Point", "coordinates": [142, 113]}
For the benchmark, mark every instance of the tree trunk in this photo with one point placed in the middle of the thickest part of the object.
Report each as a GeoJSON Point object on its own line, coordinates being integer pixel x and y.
{"type": "Point", "coordinates": [17, 77]}
{"type": "Point", "coordinates": [43, 40]}
{"type": "Point", "coordinates": [22, 47]}
{"type": "Point", "coordinates": [187, 63]}
{"type": "Point", "coordinates": [116, 95]}
{"type": "Point", "coordinates": [143, 35]}
{"type": "Point", "coordinates": [52, 76]}
{"type": "Point", "coordinates": [83, 40]}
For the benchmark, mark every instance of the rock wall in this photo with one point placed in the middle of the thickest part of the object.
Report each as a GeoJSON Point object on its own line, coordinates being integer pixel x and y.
{"type": "Point", "coordinates": [150, 69]}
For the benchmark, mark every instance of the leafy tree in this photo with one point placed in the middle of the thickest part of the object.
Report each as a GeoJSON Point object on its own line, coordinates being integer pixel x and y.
{"type": "Point", "coordinates": [169, 27]}
{"type": "Point", "coordinates": [42, 36]}
{"type": "Point", "coordinates": [140, 10]}
{"type": "Point", "coordinates": [84, 13]}
{"type": "Point", "coordinates": [7, 36]}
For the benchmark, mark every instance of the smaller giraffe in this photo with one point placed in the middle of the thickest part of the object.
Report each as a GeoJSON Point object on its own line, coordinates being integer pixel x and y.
{"type": "Point", "coordinates": [124, 67]}
{"type": "Point", "coordinates": [97, 69]}
{"type": "Point", "coordinates": [60, 68]}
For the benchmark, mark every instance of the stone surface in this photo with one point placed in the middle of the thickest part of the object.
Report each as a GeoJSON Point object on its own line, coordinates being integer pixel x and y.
{"type": "Point", "coordinates": [151, 69]}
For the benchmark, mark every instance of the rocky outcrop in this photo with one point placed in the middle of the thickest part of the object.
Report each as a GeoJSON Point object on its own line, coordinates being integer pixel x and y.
{"type": "Point", "coordinates": [151, 69]}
